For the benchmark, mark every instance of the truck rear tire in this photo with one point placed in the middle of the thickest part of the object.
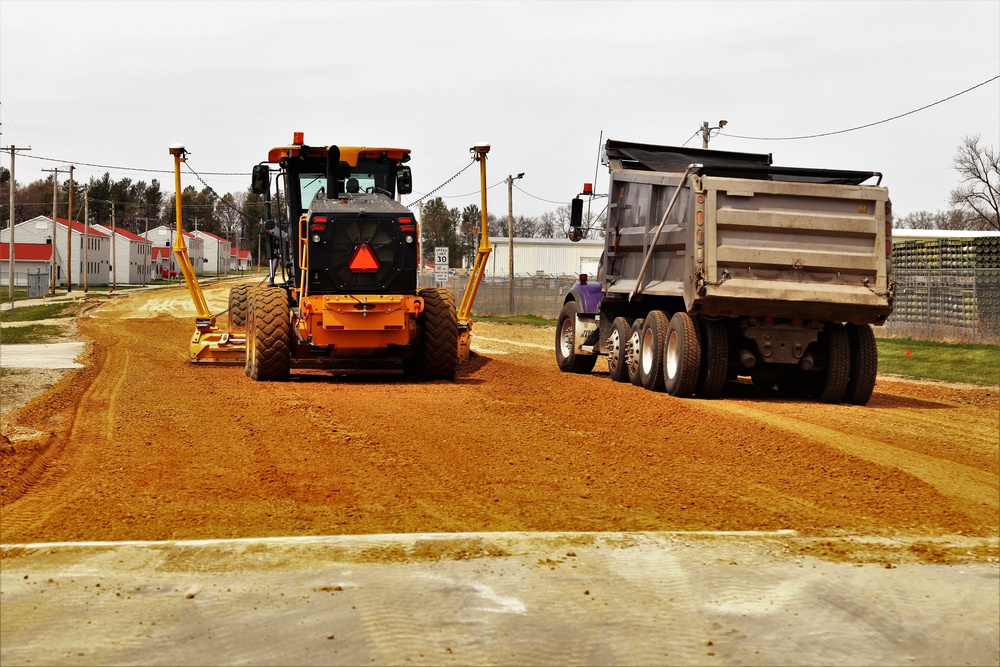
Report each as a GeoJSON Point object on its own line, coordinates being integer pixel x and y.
{"type": "Point", "coordinates": [654, 338]}
{"type": "Point", "coordinates": [618, 349]}
{"type": "Point", "coordinates": [838, 365]}
{"type": "Point", "coordinates": [634, 352]}
{"type": "Point", "coordinates": [269, 335]}
{"type": "Point", "coordinates": [238, 297]}
{"type": "Point", "coordinates": [438, 354]}
{"type": "Point", "coordinates": [864, 364]}
{"type": "Point", "coordinates": [566, 358]}
{"type": "Point", "coordinates": [681, 356]}
{"type": "Point", "coordinates": [714, 359]}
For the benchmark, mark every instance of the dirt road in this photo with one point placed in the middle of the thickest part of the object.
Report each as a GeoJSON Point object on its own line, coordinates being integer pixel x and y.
{"type": "Point", "coordinates": [140, 445]}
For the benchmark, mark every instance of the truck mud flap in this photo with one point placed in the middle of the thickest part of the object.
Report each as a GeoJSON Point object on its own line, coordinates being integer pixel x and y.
{"type": "Point", "coordinates": [588, 336]}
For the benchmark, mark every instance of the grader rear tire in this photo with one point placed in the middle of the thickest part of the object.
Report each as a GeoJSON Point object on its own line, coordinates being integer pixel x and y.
{"type": "Point", "coordinates": [238, 298]}
{"type": "Point", "coordinates": [437, 356]}
{"type": "Point", "coordinates": [269, 335]}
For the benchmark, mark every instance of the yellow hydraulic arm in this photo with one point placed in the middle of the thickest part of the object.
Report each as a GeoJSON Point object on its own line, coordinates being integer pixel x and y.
{"type": "Point", "coordinates": [465, 307]}
{"type": "Point", "coordinates": [208, 345]}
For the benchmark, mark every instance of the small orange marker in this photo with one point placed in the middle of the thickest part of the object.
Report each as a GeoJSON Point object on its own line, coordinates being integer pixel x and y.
{"type": "Point", "coordinates": [909, 353]}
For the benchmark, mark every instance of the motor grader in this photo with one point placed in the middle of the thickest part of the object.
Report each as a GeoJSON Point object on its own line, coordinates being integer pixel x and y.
{"type": "Point", "coordinates": [343, 261]}
{"type": "Point", "coordinates": [343, 254]}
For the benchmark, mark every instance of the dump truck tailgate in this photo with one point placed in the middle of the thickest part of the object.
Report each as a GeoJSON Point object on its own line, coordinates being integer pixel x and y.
{"type": "Point", "coordinates": [791, 249]}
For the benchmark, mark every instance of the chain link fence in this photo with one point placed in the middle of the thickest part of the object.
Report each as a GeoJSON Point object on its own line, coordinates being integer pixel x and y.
{"type": "Point", "coordinates": [953, 305]}
{"type": "Point", "coordinates": [947, 289]}
{"type": "Point", "coordinates": [541, 296]}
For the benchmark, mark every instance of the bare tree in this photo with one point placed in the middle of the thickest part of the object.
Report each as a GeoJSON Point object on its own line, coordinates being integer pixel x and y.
{"type": "Point", "coordinates": [978, 196]}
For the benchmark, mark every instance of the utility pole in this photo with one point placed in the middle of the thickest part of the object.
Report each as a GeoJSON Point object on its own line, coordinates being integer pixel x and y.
{"type": "Point", "coordinates": [114, 257]}
{"type": "Point", "coordinates": [69, 235]}
{"type": "Point", "coordinates": [55, 203]}
{"type": "Point", "coordinates": [86, 239]}
{"type": "Point", "coordinates": [706, 131]}
{"type": "Point", "coordinates": [149, 260]}
{"type": "Point", "coordinates": [510, 232]}
{"type": "Point", "coordinates": [10, 264]}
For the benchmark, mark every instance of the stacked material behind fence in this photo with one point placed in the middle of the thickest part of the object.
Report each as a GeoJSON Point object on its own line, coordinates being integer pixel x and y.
{"type": "Point", "coordinates": [947, 289]}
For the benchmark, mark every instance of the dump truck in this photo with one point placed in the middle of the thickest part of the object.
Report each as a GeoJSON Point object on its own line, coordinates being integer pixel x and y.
{"type": "Point", "coordinates": [343, 258]}
{"type": "Point", "coordinates": [720, 266]}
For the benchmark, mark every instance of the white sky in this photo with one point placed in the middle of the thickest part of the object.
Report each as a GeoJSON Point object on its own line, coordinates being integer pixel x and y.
{"type": "Point", "coordinates": [115, 83]}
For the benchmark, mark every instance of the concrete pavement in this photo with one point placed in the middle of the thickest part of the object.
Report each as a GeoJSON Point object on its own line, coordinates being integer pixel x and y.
{"type": "Point", "coordinates": [488, 599]}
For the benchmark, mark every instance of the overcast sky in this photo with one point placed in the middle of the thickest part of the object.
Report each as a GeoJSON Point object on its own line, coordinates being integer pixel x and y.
{"type": "Point", "coordinates": [115, 83]}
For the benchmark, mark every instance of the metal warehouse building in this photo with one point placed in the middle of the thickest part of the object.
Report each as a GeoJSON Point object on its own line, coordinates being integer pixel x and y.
{"type": "Point", "coordinates": [550, 257]}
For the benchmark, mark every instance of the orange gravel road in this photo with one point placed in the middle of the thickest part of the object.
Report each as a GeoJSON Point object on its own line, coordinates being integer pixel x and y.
{"type": "Point", "coordinates": [143, 446]}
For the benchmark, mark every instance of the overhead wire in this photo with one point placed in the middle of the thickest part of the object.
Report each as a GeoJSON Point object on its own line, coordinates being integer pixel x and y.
{"type": "Point", "coordinates": [860, 127]}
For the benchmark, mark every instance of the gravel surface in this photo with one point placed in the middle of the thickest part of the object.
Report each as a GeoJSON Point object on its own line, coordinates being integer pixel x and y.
{"type": "Point", "coordinates": [141, 445]}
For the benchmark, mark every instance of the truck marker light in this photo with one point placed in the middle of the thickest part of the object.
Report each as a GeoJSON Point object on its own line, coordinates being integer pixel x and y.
{"type": "Point", "coordinates": [298, 138]}
{"type": "Point", "coordinates": [363, 260]}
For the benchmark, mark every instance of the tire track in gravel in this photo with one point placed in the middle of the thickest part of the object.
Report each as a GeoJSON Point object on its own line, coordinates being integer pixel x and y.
{"type": "Point", "coordinates": [977, 490]}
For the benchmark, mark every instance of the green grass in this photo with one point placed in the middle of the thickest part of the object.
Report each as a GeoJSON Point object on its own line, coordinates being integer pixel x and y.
{"type": "Point", "coordinates": [530, 320]}
{"type": "Point", "coordinates": [47, 311]}
{"type": "Point", "coordinates": [30, 333]}
{"type": "Point", "coordinates": [946, 362]}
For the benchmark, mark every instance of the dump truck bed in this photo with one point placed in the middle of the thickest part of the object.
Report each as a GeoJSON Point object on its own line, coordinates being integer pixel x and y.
{"type": "Point", "coordinates": [746, 238]}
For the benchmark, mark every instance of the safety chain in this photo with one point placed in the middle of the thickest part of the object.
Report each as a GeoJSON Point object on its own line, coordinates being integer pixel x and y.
{"type": "Point", "coordinates": [704, 282]}
{"type": "Point", "coordinates": [889, 293]}
{"type": "Point", "coordinates": [443, 184]}
{"type": "Point", "coordinates": [216, 194]}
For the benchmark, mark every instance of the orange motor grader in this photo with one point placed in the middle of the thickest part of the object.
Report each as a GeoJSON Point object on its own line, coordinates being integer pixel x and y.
{"type": "Point", "coordinates": [343, 259]}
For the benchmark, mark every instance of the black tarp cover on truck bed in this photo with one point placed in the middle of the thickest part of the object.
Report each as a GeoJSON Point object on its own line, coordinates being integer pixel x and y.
{"type": "Point", "coordinates": [675, 159]}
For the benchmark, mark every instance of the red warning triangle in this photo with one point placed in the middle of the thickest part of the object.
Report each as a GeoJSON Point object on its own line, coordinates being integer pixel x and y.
{"type": "Point", "coordinates": [363, 260]}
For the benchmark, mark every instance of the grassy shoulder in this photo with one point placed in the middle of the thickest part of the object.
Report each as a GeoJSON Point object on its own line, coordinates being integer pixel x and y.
{"type": "Point", "coordinates": [946, 362]}
{"type": "Point", "coordinates": [31, 333]}
{"type": "Point", "coordinates": [47, 311]}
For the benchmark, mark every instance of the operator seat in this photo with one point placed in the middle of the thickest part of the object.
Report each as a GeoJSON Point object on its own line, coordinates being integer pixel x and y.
{"type": "Point", "coordinates": [353, 186]}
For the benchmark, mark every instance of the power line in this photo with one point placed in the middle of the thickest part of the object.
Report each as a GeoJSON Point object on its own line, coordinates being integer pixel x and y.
{"type": "Point", "coordinates": [548, 201]}
{"type": "Point", "coordinates": [144, 171]}
{"type": "Point", "coordinates": [861, 127]}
